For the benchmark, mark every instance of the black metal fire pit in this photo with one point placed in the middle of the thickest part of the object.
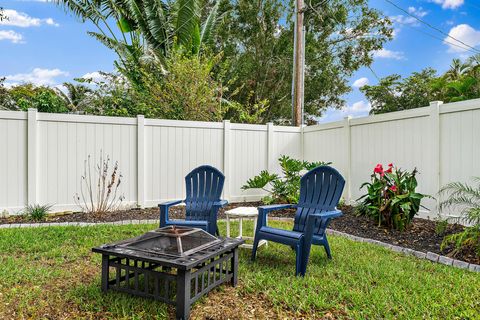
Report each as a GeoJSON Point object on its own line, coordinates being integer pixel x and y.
{"type": "Point", "coordinates": [175, 265]}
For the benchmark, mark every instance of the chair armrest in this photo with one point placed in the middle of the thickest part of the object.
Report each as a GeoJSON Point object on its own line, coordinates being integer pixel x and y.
{"type": "Point", "coordinates": [220, 204]}
{"type": "Point", "coordinates": [164, 211]}
{"type": "Point", "coordinates": [274, 207]}
{"type": "Point", "coordinates": [170, 203]}
{"type": "Point", "coordinates": [327, 215]}
{"type": "Point", "coordinates": [264, 210]}
{"type": "Point", "coordinates": [324, 218]}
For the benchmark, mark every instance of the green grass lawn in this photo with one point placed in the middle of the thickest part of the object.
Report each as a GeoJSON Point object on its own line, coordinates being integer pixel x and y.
{"type": "Point", "coordinates": [51, 273]}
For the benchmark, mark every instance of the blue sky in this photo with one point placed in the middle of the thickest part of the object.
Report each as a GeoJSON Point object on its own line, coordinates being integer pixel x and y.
{"type": "Point", "coordinates": [44, 45]}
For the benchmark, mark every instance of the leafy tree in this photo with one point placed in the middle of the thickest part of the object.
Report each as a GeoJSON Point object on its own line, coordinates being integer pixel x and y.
{"type": "Point", "coordinates": [460, 82]}
{"type": "Point", "coordinates": [256, 38]}
{"type": "Point", "coordinates": [6, 100]}
{"type": "Point", "coordinates": [393, 93]}
{"type": "Point", "coordinates": [44, 99]}
{"type": "Point", "coordinates": [187, 91]}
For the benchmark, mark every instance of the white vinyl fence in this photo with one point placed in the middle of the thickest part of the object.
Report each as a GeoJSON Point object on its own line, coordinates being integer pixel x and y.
{"type": "Point", "coordinates": [43, 154]}
{"type": "Point", "coordinates": [442, 141]}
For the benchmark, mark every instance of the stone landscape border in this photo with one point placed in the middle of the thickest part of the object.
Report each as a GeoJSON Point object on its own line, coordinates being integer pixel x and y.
{"type": "Point", "coordinates": [431, 256]}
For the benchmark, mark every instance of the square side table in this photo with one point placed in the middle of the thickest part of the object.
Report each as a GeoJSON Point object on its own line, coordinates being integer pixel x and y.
{"type": "Point", "coordinates": [244, 213]}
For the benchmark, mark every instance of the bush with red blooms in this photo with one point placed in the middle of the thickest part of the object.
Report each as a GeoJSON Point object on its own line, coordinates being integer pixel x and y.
{"type": "Point", "coordinates": [391, 198]}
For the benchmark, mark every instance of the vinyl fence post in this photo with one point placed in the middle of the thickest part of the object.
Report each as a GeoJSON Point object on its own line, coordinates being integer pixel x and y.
{"type": "Point", "coordinates": [32, 143]}
{"type": "Point", "coordinates": [270, 146]}
{"type": "Point", "coordinates": [141, 161]}
{"type": "Point", "coordinates": [435, 145]}
{"type": "Point", "coordinates": [348, 156]}
{"type": "Point", "coordinates": [226, 159]}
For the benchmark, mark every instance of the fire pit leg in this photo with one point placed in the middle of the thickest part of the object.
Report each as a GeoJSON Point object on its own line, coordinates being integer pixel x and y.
{"type": "Point", "coordinates": [235, 267]}
{"type": "Point", "coordinates": [183, 294]}
{"type": "Point", "coordinates": [105, 270]}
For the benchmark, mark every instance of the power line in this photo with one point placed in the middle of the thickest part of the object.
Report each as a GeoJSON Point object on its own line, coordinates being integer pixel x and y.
{"type": "Point", "coordinates": [443, 40]}
{"type": "Point", "coordinates": [431, 26]}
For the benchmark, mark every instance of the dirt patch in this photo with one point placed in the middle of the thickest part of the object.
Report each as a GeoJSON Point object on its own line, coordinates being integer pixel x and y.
{"type": "Point", "coordinates": [231, 303]}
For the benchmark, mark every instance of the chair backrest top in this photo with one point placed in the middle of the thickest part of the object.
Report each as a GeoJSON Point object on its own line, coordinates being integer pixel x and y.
{"type": "Point", "coordinates": [320, 191]}
{"type": "Point", "coordinates": [204, 183]}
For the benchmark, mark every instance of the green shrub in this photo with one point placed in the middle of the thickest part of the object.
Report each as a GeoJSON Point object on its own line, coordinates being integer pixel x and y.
{"type": "Point", "coordinates": [467, 198]}
{"type": "Point", "coordinates": [286, 188]}
{"type": "Point", "coordinates": [37, 212]}
{"type": "Point", "coordinates": [391, 198]}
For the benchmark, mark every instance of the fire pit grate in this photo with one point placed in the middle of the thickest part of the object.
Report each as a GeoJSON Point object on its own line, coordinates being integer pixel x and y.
{"type": "Point", "coordinates": [173, 265]}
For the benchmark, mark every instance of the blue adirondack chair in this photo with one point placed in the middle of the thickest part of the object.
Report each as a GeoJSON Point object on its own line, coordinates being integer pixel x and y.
{"type": "Point", "coordinates": [320, 191]}
{"type": "Point", "coordinates": [204, 187]}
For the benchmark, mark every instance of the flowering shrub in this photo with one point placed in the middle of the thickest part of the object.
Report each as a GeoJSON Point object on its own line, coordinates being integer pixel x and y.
{"type": "Point", "coordinates": [391, 198]}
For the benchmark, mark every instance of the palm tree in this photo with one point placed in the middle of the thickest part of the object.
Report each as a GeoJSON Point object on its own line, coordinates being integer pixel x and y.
{"type": "Point", "coordinates": [76, 96]}
{"type": "Point", "coordinates": [147, 31]}
{"type": "Point", "coordinates": [466, 198]}
{"type": "Point", "coordinates": [457, 69]}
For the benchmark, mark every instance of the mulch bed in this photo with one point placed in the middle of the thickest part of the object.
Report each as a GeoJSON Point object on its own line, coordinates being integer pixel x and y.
{"type": "Point", "coordinates": [421, 235]}
{"type": "Point", "coordinates": [175, 212]}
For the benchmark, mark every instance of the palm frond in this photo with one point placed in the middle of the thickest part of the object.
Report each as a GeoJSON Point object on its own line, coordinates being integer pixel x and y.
{"type": "Point", "coordinates": [463, 197]}
{"type": "Point", "coordinates": [157, 24]}
{"type": "Point", "coordinates": [188, 16]}
{"type": "Point", "coordinates": [119, 47]}
{"type": "Point", "coordinates": [209, 25]}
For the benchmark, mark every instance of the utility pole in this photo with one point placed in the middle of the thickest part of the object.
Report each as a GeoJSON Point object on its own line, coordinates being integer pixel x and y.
{"type": "Point", "coordinates": [298, 65]}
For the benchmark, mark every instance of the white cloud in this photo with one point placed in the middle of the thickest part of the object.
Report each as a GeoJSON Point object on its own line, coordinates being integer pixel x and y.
{"type": "Point", "coordinates": [358, 107]}
{"type": "Point", "coordinates": [23, 20]}
{"type": "Point", "coordinates": [449, 4]}
{"type": "Point", "coordinates": [11, 36]}
{"type": "Point", "coordinates": [464, 33]}
{"type": "Point", "coordinates": [389, 54]}
{"type": "Point", "coordinates": [416, 12]}
{"type": "Point", "coordinates": [419, 12]}
{"type": "Point", "coordinates": [95, 76]}
{"type": "Point", "coordinates": [38, 76]}
{"type": "Point", "coordinates": [360, 82]}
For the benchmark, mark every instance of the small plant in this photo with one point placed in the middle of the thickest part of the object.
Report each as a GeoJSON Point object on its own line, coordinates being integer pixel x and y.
{"type": "Point", "coordinates": [286, 188]}
{"type": "Point", "coordinates": [466, 197]}
{"type": "Point", "coordinates": [37, 212]}
{"type": "Point", "coordinates": [391, 198]}
{"type": "Point", "coordinates": [100, 196]}
{"type": "Point", "coordinates": [441, 226]}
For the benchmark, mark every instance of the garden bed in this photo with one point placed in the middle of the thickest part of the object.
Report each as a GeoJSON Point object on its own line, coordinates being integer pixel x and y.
{"type": "Point", "coordinates": [420, 236]}
{"type": "Point", "coordinates": [175, 212]}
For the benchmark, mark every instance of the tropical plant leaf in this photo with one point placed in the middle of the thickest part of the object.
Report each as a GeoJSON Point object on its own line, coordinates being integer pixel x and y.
{"type": "Point", "coordinates": [208, 27]}
{"type": "Point", "coordinates": [188, 16]}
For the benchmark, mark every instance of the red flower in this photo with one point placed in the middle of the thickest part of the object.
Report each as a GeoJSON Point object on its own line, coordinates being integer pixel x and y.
{"type": "Point", "coordinates": [389, 170]}
{"type": "Point", "coordinates": [393, 188]}
{"type": "Point", "coordinates": [390, 165]}
{"type": "Point", "coordinates": [379, 169]}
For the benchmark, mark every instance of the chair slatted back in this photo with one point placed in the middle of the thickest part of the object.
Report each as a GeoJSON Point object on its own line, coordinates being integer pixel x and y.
{"type": "Point", "coordinates": [320, 191]}
{"type": "Point", "coordinates": [204, 187]}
